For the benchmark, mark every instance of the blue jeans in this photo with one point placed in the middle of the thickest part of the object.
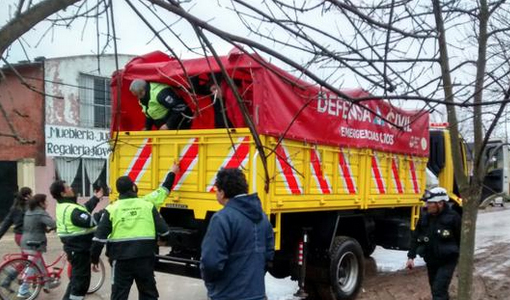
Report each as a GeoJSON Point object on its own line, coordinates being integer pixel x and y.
{"type": "Point", "coordinates": [28, 272]}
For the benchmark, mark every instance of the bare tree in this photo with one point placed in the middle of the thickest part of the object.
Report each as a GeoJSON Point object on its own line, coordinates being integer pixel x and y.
{"type": "Point", "coordinates": [27, 16]}
{"type": "Point", "coordinates": [441, 55]}
{"type": "Point", "coordinates": [398, 50]}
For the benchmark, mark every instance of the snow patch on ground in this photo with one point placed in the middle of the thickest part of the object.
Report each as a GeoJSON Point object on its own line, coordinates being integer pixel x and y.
{"type": "Point", "coordinates": [280, 289]}
{"type": "Point", "coordinates": [392, 260]}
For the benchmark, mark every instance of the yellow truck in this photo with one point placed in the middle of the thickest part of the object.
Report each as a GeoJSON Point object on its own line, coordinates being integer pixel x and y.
{"type": "Point", "coordinates": [336, 178]}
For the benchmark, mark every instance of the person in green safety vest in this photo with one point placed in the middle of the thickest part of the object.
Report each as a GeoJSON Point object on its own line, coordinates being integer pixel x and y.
{"type": "Point", "coordinates": [75, 227]}
{"type": "Point", "coordinates": [161, 106]}
{"type": "Point", "coordinates": [130, 227]}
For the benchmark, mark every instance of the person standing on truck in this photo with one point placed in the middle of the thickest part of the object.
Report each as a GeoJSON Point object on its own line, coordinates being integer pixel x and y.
{"type": "Point", "coordinates": [210, 85]}
{"type": "Point", "coordinates": [437, 239]}
{"type": "Point", "coordinates": [162, 107]}
{"type": "Point", "coordinates": [130, 227]}
{"type": "Point", "coordinates": [239, 243]}
{"type": "Point", "coordinates": [16, 214]}
{"type": "Point", "coordinates": [75, 227]}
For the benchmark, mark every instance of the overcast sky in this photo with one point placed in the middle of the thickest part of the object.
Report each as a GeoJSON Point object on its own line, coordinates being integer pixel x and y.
{"type": "Point", "coordinates": [80, 38]}
{"type": "Point", "coordinates": [135, 38]}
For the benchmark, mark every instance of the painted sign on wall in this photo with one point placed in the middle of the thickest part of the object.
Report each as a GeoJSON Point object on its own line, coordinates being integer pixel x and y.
{"type": "Point", "coordinates": [81, 142]}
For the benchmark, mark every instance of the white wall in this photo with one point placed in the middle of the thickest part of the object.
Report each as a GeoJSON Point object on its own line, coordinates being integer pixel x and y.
{"type": "Point", "coordinates": [62, 75]}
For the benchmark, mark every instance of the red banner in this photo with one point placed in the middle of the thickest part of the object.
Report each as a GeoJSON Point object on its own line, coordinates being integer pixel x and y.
{"type": "Point", "coordinates": [328, 119]}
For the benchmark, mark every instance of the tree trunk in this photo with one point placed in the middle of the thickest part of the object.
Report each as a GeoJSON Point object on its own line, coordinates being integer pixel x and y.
{"type": "Point", "coordinates": [470, 193]}
{"type": "Point", "coordinates": [28, 19]}
{"type": "Point", "coordinates": [472, 197]}
{"type": "Point", "coordinates": [467, 243]}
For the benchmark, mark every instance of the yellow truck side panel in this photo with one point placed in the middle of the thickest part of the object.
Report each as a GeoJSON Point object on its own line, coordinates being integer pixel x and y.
{"type": "Point", "coordinates": [394, 179]}
{"type": "Point", "coordinates": [302, 176]}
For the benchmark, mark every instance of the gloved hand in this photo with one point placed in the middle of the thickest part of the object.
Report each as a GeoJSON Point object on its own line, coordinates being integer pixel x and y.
{"type": "Point", "coordinates": [169, 180]}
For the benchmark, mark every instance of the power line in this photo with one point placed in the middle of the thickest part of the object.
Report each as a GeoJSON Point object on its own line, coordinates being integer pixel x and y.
{"type": "Point", "coordinates": [65, 84]}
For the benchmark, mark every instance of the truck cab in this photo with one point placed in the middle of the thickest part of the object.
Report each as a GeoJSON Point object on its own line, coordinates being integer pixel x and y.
{"type": "Point", "coordinates": [440, 161]}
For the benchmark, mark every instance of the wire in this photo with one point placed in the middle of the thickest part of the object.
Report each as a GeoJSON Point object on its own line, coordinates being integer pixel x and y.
{"type": "Point", "coordinates": [62, 83]}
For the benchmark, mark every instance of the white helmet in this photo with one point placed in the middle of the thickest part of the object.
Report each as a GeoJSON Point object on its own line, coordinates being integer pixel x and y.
{"type": "Point", "coordinates": [436, 194]}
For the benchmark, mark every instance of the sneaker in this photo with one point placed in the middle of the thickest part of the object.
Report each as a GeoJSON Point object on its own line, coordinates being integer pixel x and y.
{"type": "Point", "coordinates": [52, 283]}
{"type": "Point", "coordinates": [23, 295]}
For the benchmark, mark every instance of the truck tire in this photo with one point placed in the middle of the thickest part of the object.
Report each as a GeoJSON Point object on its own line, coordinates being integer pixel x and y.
{"type": "Point", "coordinates": [346, 270]}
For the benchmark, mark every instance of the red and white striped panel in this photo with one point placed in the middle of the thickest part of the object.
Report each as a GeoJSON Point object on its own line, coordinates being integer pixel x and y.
{"type": "Point", "coordinates": [320, 178]}
{"type": "Point", "coordinates": [377, 175]}
{"type": "Point", "coordinates": [290, 177]}
{"type": "Point", "coordinates": [344, 166]}
{"type": "Point", "coordinates": [237, 157]}
{"type": "Point", "coordinates": [396, 175]}
{"type": "Point", "coordinates": [188, 158]}
{"type": "Point", "coordinates": [413, 176]}
{"type": "Point", "coordinates": [140, 162]}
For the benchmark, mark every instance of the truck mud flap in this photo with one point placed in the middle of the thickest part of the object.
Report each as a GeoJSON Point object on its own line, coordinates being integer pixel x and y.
{"type": "Point", "coordinates": [177, 266]}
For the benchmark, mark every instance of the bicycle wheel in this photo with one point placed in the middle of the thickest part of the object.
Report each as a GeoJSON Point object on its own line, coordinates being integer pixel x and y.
{"type": "Point", "coordinates": [20, 279]}
{"type": "Point", "coordinates": [97, 278]}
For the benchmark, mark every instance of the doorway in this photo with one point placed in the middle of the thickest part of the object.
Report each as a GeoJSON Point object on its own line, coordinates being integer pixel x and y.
{"type": "Point", "coordinates": [8, 185]}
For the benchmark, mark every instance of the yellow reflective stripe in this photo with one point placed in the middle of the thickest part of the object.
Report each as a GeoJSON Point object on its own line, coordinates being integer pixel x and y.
{"type": "Point", "coordinates": [64, 218]}
{"type": "Point", "coordinates": [115, 240]}
{"type": "Point", "coordinates": [76, 233]}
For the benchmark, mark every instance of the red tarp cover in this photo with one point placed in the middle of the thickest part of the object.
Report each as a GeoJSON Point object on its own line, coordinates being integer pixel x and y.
{"type": "Point", "coordinates": [276, 97]}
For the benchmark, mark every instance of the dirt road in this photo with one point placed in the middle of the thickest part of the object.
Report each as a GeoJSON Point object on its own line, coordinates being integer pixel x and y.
{"type": "Point", "coordinates": [492, 267]}
{"type": "Point", "coordinates": [385, 279]}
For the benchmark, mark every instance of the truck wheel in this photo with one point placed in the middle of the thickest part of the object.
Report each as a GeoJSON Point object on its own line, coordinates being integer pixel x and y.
{"type": "Point", "coordinates": [346, 269]}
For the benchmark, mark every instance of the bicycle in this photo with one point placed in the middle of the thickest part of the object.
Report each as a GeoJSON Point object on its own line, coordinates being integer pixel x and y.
{"type": "Point", "coordinates": [19, 269]}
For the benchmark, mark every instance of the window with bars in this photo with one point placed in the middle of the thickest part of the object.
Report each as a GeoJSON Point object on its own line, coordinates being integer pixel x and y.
{"type": "Point", "coordinates": [95, 104]}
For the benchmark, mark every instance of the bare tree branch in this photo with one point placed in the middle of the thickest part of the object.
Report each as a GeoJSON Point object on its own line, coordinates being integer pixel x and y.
{"type": "Point", "coordinates": [28, 19]}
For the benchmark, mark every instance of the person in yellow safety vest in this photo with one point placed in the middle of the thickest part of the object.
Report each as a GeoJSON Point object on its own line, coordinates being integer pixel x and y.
{"type": "Point", "coordinates": [130, 227]}
{"type": "Point", "coordinates": [75, 227]}
{"type": "Point", "coordinates": [162, 107]}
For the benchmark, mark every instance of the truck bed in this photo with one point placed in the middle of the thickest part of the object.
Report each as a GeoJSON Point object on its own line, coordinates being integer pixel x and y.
{"type": "Point", "coordinates": [302, 176]}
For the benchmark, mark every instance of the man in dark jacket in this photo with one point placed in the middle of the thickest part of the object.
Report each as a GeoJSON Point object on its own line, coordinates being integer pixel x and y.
{"type": "Point", "coordinates": [239, 242]}
{"type": "Point", "coordinates": [210, 85]}
{"type": "Point", "coordinates": [129, 227]}
{"type": "Point", "coordinates": [437, 239]}
{"type": "Point", "coordinates": [75, 227]}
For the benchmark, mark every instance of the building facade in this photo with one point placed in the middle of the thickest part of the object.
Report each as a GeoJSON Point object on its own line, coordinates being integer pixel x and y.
{"type": "Point", "coordinates": [21, 129]}
{"type": "Point", "coordinates": [72, 122]}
